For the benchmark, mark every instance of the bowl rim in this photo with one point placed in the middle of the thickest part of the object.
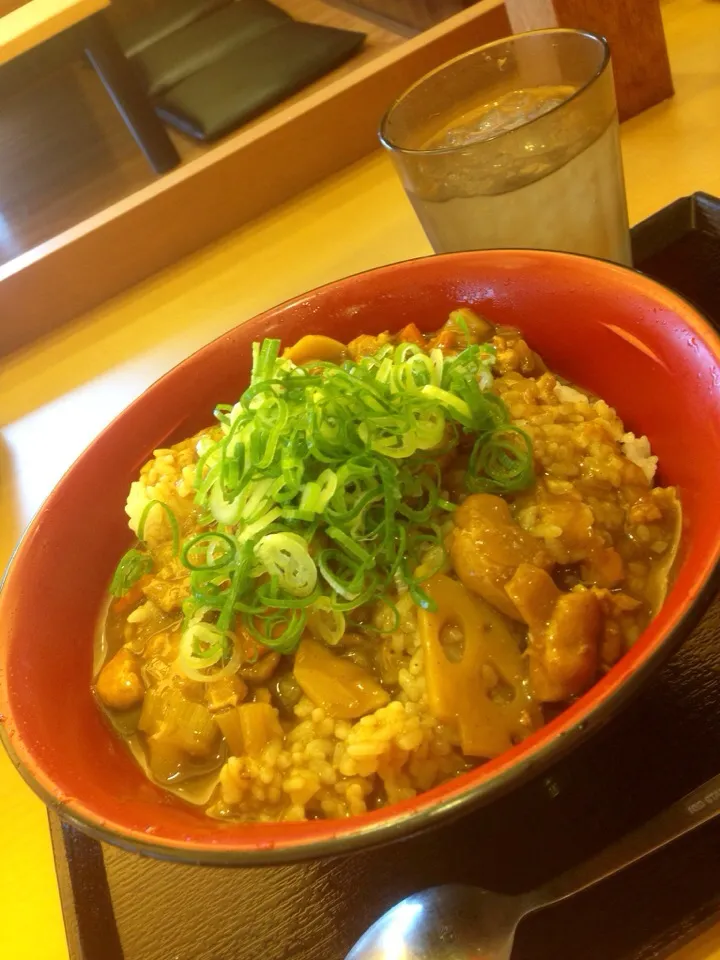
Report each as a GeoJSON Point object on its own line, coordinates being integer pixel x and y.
{"type": "Point", "coordinates": [587, 714]}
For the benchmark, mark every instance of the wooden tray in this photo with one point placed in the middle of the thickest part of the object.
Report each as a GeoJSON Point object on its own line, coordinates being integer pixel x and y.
{"type": "Point", "coordinates": [122, 907]}
{"type": "Point", "coordinates": [264, 164]}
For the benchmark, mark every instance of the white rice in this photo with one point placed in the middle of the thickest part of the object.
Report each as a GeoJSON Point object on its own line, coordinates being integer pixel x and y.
{"type": "Point", "coordinates": [566, 394]}
{"type": "Point", "coordinates": [637, 450]}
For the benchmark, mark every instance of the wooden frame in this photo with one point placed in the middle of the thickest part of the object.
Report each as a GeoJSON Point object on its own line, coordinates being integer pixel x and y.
{"type": "Point", "coordinates": [25, 25]}
{"type": "Point", "coordinates": [234, 182]}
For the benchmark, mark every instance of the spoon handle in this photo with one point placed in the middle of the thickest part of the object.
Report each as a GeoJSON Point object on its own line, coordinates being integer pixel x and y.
{"type": "Point", "coordinates": [676, 820]}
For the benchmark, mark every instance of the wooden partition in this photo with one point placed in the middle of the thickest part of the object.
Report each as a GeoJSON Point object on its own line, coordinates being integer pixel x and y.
{"type": "Point", "coordinates": [239, 179]}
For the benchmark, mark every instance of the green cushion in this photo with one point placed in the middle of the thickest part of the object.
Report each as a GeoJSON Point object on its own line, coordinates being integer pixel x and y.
{"type": "Point", "coordinates": [162, 20]}
{"type": "Point", "coordinates": [181, 54]}
{"type": "Point", "coordinates": [255, 76]}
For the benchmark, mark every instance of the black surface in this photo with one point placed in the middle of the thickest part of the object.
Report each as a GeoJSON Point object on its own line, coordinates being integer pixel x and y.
{"type": "Point", "coordinates": [680, 245]}
{"type": "Point", "coordinates": [664, 744]}
{"type": "Point", "coordinates": [254, 77]}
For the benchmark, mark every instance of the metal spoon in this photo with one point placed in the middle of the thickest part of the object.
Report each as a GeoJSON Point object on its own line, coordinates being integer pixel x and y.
{"type": "Point", "coordinates": [458, 922]}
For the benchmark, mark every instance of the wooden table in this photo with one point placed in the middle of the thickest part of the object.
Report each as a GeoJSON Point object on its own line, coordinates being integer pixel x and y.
{"type": "Point", "coordinates": [36, 21]}
{"type": "Point", "coordinates": [58, 395]}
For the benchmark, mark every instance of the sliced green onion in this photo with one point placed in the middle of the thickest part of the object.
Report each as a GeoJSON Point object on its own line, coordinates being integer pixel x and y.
{"type": "Point", "coordinates": [204, 646]}
{"type": "Point", "coordinates": [287, 558]}
{"type": "Point", "coordinates": [501, 461]}
{"type": "Point", "coordinates": [212, 559]}
{"type": "Point", "coordinates": [251, 531]}
{"type": "Point", "coordinates": [325, 622]}
{"type": "Point", "coordinates": [320, 491]}
{"type": "Point", "coordinates": [171, 519]}
{"type": "Point", "coordinates": [222, 511]}
{"type": "Point", "coordinates": [131, 568]}
{"type": "Point", "coordinates": [332, 564]}
{"type": "Point", "coordinates": [350, 546]}
{"type": "Point", "coordinates": [448, 400]}
{"type": "Point", "coordinates": [280, 631]}
{"type": "Point", "coordinates": [395, 623]}
{"type": "Point", "coordinates": [240, 578]}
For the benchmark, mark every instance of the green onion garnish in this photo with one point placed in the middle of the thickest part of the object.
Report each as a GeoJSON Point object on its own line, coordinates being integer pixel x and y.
{"type": "Point", "coordinates": [131, 568]}
{"type": "Point", "coordinates": [171, 520]}
{"type": "Point", "coordinates": [324, 492]}
{"type": "Point", "coordinates": [135, 564]}
{"type": "Point", "coordinates": [501, 461]}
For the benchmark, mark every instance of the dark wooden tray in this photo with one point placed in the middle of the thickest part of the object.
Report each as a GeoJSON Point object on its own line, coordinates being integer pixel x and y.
{"type": "Point", "coordinates": [122, 907]}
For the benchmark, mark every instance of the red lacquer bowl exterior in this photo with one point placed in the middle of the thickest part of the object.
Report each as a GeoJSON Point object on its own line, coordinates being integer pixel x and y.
{"type": "Point", "coordinates": [639, 346]}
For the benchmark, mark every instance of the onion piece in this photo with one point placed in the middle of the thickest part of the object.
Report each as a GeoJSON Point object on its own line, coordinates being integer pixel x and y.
{"type": "Point", "coordinates": [199, 666]}
{"type": "Point", "coordinates": [286, 556]}
{"type": "Point", "coordinates": [326, 623]}
{"type": "Point", "coordinates": [224, 511]}
{"type": "Point", "coordinates": [447, 399]}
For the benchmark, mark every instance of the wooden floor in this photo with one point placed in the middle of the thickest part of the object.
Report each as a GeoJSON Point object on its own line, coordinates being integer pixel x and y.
{"type": "Point", "coordinates": [65, 152]}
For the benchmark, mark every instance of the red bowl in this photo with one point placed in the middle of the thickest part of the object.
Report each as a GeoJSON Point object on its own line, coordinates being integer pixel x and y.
{"type": "Point", "coordinates": [639, 346]}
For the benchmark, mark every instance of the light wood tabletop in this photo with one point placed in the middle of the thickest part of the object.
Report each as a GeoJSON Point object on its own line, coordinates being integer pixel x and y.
{"type": "Point", "coordinates": [55, 397]}
{"type": "Point", "coordinates": [38, 20]}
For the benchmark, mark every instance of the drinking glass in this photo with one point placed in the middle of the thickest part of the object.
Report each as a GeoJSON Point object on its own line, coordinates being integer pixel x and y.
{"type": "Point", "coordinates": [516, 144]}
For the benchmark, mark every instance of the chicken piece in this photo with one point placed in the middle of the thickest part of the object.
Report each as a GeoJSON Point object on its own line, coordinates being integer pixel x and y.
{"type": "Point", "coordinates": [261, 669]}
{"type": "Point", "coordinates": [170, 587]}
{"type": "Point", "coordinates": [488, 546]}
{"type": "Point", "coordinates": [158, 654]}
{"type": "Point", "coordinates": [568, 523]}
{"type": "Point", "coordinates": [316, 347]}
{"type": "Point", "coordinates": [224, 693]}
{"type": "Point", "coordinates": [534, 594]}
{"type": "Point", "coordinates": [119, 684]}
{"type": "Point", "coordinates": [164, 644]}
{"type": "Point", "coordinates": [566, 661]}
{"type": "Point", "coordinates": [366, 346]}
{"type": "Point", "coordinates": [453, 335]}
{"type": "Point", "coordinates": [618, 608]}
{"type": "Point", "coordinates": [411, 334]}
{"type": "Point", "coordinates": [565, 633]}
{"type": "Point", "coordinates": [603, 568]}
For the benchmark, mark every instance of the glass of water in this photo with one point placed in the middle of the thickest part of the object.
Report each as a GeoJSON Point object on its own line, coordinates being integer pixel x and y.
{"type": "Point", "coordinates": [516, 144]}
